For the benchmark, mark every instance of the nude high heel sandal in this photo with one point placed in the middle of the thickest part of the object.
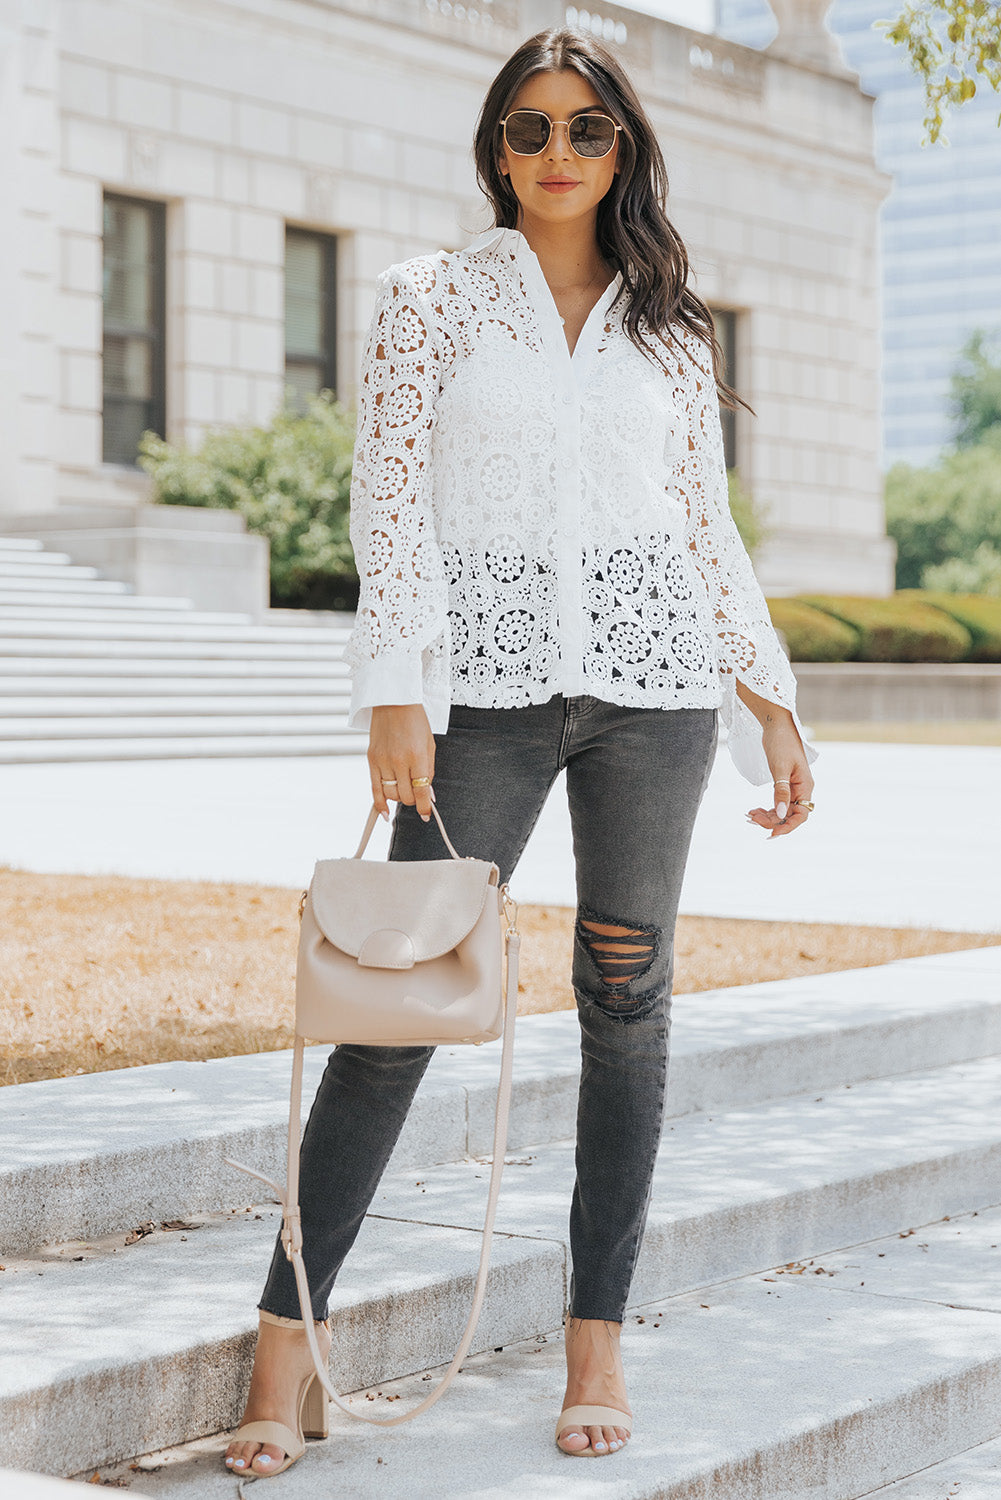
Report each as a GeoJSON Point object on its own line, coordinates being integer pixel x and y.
{"type": "Point", "coordinates": [590, 1416]}
{"type": "Point", "coordinates": [311, 1416]}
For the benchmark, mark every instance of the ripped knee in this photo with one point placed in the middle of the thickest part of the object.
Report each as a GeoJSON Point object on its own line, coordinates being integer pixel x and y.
{"type": "Point", "coordinates": [621, 954]}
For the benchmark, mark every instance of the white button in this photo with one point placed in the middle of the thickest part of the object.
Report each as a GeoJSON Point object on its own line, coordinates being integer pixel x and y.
{"type": "Point", "coordinates": [568, 401]}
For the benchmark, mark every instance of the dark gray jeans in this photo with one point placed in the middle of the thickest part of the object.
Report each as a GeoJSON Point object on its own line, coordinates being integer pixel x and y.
{"type": "Point", "coordinates": [635, 778]}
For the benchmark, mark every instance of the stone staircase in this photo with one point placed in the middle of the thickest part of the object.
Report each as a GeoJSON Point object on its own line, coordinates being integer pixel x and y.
{"type": "Point", "coordinates": [815, 1312]}
{"type": "Point", "coordinates": [90, 671]}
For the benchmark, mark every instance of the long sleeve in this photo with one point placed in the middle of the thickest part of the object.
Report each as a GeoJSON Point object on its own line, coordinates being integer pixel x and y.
{"type": "Point", "coordinates": [399, 648]}
{"type": "Point", "coordinates": [747, 647]}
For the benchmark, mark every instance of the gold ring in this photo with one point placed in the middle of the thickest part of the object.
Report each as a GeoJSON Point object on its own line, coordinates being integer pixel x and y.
{"type": "Point", "coordinates": [420, 781]}
{"type": "Point", "coordinates": [800, 803]}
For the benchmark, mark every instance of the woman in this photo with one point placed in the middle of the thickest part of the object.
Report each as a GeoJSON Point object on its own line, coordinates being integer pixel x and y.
{"type": "Point", "coordinates": [550, 578]}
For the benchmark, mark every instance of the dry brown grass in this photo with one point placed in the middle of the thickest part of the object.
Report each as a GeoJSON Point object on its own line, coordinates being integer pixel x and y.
{"type": "Point", "coordinates": [110, 972]}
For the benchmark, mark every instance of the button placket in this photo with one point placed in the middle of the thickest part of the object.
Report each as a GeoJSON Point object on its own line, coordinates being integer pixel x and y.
{"type": "Point", "coordinates": [569, 548]}
{"type": "Point", "coordinates": [569, 534]}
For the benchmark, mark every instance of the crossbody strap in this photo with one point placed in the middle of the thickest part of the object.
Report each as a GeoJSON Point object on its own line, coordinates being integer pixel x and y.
{"type": "Point", "coordinates": [292, 1227]}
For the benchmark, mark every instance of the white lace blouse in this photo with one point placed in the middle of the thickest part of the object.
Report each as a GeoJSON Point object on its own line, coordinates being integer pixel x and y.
{"type": "Point", "coordinates": [526, 522]}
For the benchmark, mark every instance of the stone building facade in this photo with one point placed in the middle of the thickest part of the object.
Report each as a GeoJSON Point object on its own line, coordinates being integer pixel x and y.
{"type": "Point", "coordinates": [199, 198]}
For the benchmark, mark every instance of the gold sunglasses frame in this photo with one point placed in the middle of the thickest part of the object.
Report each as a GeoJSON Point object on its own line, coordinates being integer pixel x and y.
{"type": "Point", "coordinates": [552, 126]}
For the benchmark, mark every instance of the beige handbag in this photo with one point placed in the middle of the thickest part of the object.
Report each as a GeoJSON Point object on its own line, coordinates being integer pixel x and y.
{"type": "Point", "coordinates": [401, 953]}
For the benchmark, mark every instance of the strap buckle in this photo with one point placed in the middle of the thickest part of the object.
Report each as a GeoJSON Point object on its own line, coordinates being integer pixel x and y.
{"type": "Point", "coordinates": [292, 1234]}
{"type": "Point", "coordinates": [510, 910]}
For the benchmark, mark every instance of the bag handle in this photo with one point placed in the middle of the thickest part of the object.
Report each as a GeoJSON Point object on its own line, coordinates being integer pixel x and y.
{"type": "Point", "coordinates": [370, 824]}
{"type": "Point", "coordinates": [289, 1195]}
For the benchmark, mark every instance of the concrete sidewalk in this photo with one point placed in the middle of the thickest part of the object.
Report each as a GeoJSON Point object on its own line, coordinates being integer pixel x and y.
{"type": "Point", "coordinates": [903, 835]}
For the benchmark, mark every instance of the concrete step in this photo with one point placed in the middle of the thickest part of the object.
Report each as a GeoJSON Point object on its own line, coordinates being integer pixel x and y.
{"type": "Point", "coordinates": [211, 674]}
{"type": "Point", "coordinates": [126, 725]}
{"type": "Point", "coordinates": [151, 649]}
{"type": "Point", "coordinates": [154, 1336]}
{"type": "Point", "coordinates": [28, 559]}
{"type": "Point", "coordinates": [974, 1474]}
{"type": "Point", "coordinates": [262, 707]}
{"type": "Point", "coordinates": [179, 747]}
{"type": "Point", "coordinates": [730, 1047]}
{"type": "Point", "coordinates": [63, 578]}
{"type": "Point", "coordinates": [163, 1328]}
{"type": "Point", "coordinates": [173, 638]}
{"type": "Point", "coordinates": [95, 695]}
{"type": "Point", "coordinates": [21, 544]}
{"type": "Point", "coordinates": [113, 612]}
{"type": "Point", "coordinates": [771, 1387]}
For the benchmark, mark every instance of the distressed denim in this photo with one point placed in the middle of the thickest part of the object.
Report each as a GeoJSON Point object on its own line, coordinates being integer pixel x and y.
{"type": "Point", "coordinates": [635, 779]}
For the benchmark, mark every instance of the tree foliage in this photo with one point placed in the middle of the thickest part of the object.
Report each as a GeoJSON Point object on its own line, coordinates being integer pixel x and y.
{"type": "Point", "coordinates": [953, 46]}
{"type": "Point", "coordinates": [976, 392]}
{"type": "Point", "coordinates": [946, 519]}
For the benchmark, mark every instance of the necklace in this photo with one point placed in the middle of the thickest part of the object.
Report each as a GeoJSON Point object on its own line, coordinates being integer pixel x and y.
{"type": "Point", "coordinates": [580, 290]}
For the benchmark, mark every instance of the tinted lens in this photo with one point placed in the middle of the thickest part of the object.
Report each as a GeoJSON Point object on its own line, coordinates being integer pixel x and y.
{"type": "Point", "coordinates": [527, 131]}
{"type": "Point", "coordinates": [592, 135]}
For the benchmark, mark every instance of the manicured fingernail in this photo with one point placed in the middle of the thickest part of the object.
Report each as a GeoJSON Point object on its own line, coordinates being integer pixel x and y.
{"type": "Point", "coordinates": [781, 808]}
{"type": "Point", "coordinates": [426, 817]}
{"type": "Point", "coordinates": [384, 815]}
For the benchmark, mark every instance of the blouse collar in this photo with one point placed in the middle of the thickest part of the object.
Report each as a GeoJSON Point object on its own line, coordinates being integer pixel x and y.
{"type": "Point", "coordinates": [513, 240]}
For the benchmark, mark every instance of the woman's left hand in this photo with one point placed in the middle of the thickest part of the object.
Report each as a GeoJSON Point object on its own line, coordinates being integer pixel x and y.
{"type": "Point", "coordinates": [792, 783]}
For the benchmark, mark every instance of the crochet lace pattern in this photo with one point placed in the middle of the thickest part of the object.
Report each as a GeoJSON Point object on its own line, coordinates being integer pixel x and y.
{"type": "Point", "coordinates": [526, 522]}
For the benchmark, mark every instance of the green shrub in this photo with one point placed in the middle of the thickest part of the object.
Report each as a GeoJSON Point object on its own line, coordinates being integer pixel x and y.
{"type": "Point", "coordinates": [290, 481]}
{"type": "Point", "coordinates": [898, 628]}
{"type": "Point", "coordinates": [980, 615]}
{"type": "Point", "coordinates": [810, 634]}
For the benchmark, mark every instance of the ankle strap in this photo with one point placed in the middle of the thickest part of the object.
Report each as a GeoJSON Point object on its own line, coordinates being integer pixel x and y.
{"type": "Point", "coordinates": [267, 1317]}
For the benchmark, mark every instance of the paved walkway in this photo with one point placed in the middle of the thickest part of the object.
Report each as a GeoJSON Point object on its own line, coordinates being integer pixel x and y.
{"type": "Point", "coordinates": [903, 835]}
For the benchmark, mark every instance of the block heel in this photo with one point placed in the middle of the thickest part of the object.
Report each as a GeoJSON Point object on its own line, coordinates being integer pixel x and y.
{"type": "Point", "coordinates": [312, 1416]}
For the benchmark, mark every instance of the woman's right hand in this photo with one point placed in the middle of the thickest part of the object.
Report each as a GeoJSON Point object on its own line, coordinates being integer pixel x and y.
{"type": "Point", "coordinates": [400, 747]}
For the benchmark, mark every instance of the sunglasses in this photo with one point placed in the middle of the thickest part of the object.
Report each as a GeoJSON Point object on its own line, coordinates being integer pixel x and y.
{"type": "Point", "coordinates": [527, 132]}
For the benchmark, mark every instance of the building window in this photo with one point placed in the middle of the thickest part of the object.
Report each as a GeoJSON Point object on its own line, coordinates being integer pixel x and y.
{"type": "Point", "coordinates": [726, 332]}
{"type": "Point", "coordinates": [134, 322]}
{"type": "Point", "coordinates": [310, 302]}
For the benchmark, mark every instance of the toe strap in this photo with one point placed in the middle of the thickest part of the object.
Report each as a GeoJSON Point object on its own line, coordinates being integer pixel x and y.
{"type": "Point", "coordinates": [271, 1432]}
{"type": "Point", "coordinates": [593, 1416]}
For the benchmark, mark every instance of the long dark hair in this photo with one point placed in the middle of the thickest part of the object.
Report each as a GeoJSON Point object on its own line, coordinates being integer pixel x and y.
{"type": "Point", "coordinates": [633, 230]}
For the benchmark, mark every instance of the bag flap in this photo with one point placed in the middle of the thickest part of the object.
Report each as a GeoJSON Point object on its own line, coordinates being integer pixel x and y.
{"type": "Point", "coordinates": [435, 902]}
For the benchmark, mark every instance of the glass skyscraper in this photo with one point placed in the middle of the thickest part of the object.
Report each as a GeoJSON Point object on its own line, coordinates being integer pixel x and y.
{"type": "Point", "coordinates": [941, 224]}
